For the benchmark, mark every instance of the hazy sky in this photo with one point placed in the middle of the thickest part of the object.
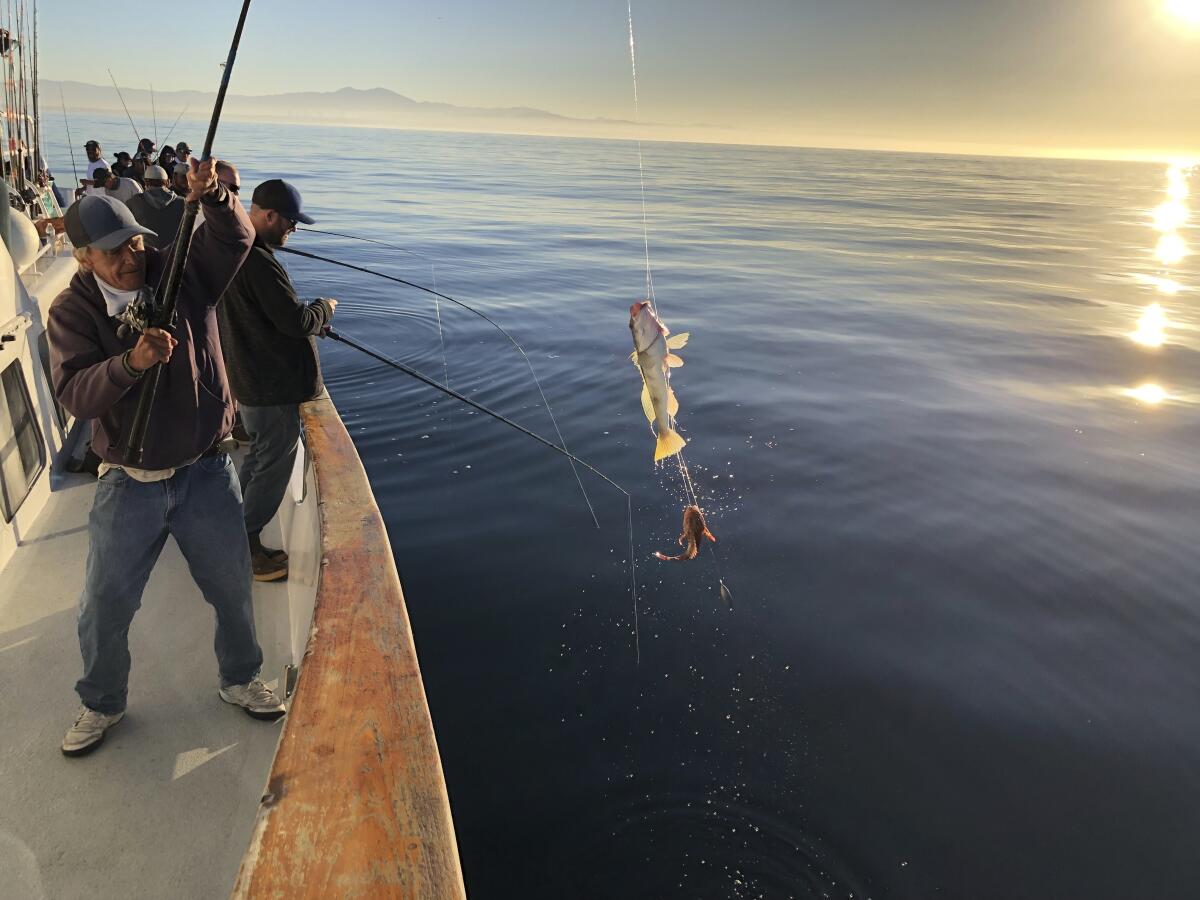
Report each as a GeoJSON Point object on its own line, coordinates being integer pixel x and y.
{"type": "Point", "coordinates": [1107, 77]}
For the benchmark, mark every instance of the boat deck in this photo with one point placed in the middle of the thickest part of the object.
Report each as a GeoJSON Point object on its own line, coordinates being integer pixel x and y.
{"type": "Point", "coordinates": [167, 806]}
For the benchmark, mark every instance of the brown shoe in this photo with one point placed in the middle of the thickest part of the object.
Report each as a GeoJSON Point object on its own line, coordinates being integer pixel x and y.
{"type": "Point", "coordinates": [256, 548]}
{"type": "Point", "coordinates": [267, 569]}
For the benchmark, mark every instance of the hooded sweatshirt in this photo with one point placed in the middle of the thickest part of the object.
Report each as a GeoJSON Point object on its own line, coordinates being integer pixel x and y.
{"type": "Point", "coordinates": [160, 211]}
{"type": "Point", "coordinates": [193, 408]}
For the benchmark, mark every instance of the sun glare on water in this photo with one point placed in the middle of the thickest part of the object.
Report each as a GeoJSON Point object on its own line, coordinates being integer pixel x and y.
{"type": "Point", "coordinates": [1150, 394]}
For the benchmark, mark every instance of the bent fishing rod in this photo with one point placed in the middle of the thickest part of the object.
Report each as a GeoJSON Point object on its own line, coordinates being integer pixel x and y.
{"type": "Point", "coordinates": [74, 170]}
{"type": "Point", "coordinates": [468, 308]}
{"type": "Point", "coordinates": [120, 97]}
{"type": "Point", "coordinates": [167, 139]}
{"type": "Point", "coordinates": [425, 379]}
{"type": "Point", "coordinates": [163, 313]}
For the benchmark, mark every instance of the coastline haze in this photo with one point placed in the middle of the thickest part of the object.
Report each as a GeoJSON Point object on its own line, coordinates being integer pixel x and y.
{"type": "Point", "coordinates": [1104, 79]}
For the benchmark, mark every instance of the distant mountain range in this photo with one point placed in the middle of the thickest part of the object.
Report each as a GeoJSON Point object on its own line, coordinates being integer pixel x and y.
{"type": "Point", "coordinates": [377, 107]}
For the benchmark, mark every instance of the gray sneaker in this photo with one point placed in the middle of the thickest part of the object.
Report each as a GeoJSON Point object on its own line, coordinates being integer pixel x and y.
{"type": "Point", "coordinates": [255, 698]}
{"type": "Point", "coordinates": [88, 731]}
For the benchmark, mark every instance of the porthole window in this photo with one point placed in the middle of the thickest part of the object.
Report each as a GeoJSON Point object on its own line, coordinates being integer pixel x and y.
{"type": "Point", "coordinates": [22, 451]}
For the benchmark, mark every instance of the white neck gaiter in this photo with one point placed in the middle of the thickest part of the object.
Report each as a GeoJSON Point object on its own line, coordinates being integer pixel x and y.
{"type": "Point", "coordinates": [115, 300]}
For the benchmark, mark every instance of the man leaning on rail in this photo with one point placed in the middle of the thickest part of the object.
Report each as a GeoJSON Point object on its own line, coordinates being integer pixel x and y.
{"type": "Point", "coordinates": [269, 338]}
{"type": "Point", "coordinates": [187, 488]}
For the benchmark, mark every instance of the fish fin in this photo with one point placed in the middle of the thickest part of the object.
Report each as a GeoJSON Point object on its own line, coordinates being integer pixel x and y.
{"type": "Point", "coordinates": [708, 534]}
{"type": "Point", "coordinates": [662, 556]}
{"type": "Point", "coordinates": [672, 404]}
{"type": "Point", "coordinates": [726, 595]}
{"type": "Point", "coordinates": [674, 361]}
{"type": "Point", "coordinates": [669, 443]}
{"type": "Point", "coordinates": [679, 341]}
{"type": "Point", "coordinates": [633, 358]}
{"type": "Point", "coordinates": [647, 406]}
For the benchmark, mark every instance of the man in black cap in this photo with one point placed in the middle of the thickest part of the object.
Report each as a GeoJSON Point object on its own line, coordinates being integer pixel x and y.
{"type": "Point", "coordinates": [105, 182]}
{"type": "Point", "coordinates": [185, 485]}
{"type": "Point", "coordinates": [95, 155]}
{"type": "Point", "coordinates": [268, 336]}
{"type": "Point", "coordinates": [121, 165]}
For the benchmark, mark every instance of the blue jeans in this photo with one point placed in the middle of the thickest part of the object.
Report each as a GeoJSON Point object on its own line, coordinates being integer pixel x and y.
{"type": "Point", "coordinates": [274, 436]}
{"type": "Point", "coordinates": [201, 507]}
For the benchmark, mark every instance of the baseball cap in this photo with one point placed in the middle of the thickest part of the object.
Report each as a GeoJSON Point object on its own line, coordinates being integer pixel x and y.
{"type": "Point", "coordinates": [102, 222]}
{"type": "Point", "coordinates": [91, 144]}
{"type": "Point", "coordinates": [99, 175]}
{"type": "Point", "coordinates": [122, 155]}
{"type": "Point", "coordinates": [182, 147]}
{"type": "Point", "coordinates": [280, 196]}
{"type": "Point", "coordinates": [157, 173]}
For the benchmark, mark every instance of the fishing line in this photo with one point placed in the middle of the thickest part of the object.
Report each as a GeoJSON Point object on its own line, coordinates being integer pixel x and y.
{"type": "Point", "coordinates": [437, 302]}
{"type": "Point", "coordinates": [136, 136]}
{"type": "Point", "coordinates": [437, 306]}
{"type": "Point", "coordinates": [153, 112]}
{"type": "Point", "coordinates": [685, 474]}
{"type": "Point", "coordinates": [425, 379]}
{"type": "Point", "coordinates": [489, 320]}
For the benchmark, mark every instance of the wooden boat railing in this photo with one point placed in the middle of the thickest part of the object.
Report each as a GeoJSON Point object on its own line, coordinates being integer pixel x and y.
{"type": "Point", "coordinates": [356, 802]}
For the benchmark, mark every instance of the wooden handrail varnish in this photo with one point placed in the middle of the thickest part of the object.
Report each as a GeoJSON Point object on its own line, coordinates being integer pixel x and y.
{"type": "Point", "coordinates": [356, 802]}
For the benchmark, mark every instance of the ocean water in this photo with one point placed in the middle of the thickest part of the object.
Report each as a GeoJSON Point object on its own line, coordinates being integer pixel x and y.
{"type": "Point", "coordinates": [956, 503]}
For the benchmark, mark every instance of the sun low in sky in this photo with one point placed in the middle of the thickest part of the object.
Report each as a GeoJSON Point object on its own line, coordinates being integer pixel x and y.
{"type": "Point", "coordinates": [1187, 11]}
{"type": "Point", "coordinates": [1092, 78]}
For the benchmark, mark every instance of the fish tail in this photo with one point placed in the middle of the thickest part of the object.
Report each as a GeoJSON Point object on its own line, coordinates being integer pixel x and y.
{"type": "Point", "coordinates": [669, 443]}
{"type": "Point", "coordinates": [708, 534]}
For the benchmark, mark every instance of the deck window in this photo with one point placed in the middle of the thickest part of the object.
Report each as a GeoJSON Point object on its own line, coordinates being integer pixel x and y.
{"type": "Point", "coordinates": [22, 452]}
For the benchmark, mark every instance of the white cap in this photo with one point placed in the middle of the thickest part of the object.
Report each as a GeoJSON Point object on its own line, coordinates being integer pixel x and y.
{"type": "Point", "coordinates": [157, 173]}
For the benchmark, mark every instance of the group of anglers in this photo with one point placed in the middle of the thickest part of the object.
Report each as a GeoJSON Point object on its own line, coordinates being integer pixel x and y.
{"type": "Point", "coordinates": [242, 341]}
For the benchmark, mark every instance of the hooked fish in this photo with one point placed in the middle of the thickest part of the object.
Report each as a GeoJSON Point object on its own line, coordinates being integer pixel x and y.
{"type": "Point", "coordinates": [653, 357]}
{"type": "Point", "coordinates": [694, 529]}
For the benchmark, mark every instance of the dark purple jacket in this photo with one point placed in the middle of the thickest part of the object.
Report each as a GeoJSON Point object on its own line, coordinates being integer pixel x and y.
{"type": "Point", "coordinates": [192, 408]}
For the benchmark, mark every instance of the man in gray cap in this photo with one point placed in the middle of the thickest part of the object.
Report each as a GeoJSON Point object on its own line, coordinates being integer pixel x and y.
{"type": "Point", "coordinates": [268, 337]}
{"type": "Point", "coordinates": [188, 488]}
{"type": "Point", "coordinates": [158, 209]}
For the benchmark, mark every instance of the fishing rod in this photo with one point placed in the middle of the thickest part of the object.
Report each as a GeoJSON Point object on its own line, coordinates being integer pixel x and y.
{"type": "Point", "coordinates": [408, 370]}
{"type": "Point", "coordinates": [173, 124]}
{"type": "Point", "coordinates": [137, 137]}
{"type": "Point", "coordinates": [163, 314]}
{"type": "Point", "coordinates": [485, 317]}
{"type": "Point", "coordinates": [358, 237]}
{"type": "Point", "coordinates": [70, 142]}
{"type": "Point", "coordinates": [153, 113]}
{"type": "Point", "coordinates": [425, 379]}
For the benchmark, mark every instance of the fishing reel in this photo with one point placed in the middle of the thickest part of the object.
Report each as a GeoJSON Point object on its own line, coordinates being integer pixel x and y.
{"type": "Point", "coordinates": [140, 314]}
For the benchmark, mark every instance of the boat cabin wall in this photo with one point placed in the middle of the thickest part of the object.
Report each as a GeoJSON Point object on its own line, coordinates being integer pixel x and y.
{"type": "Point", "coordinates": [36, 433]}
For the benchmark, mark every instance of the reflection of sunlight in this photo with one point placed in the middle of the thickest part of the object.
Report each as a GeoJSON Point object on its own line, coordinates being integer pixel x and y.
{"type": "Point", "coordinates": [1162, 285]}
{"type": "Point", "coordinates": [1170, 215]}
{"type": "Point", "coordinates": [1187, 10]}
{"type": "Point", "coordinates": [1150, 394]}
{"type": "Point", "coordinates": [1151, 327]}
{"type": "Point", "coordinates": [1177, 188]}
{"type": "Point", "coordinates": [1171, 249]}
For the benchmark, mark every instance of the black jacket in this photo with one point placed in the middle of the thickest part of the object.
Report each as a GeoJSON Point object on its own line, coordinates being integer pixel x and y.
{"type": "Point", "coordinates": [268, 334]}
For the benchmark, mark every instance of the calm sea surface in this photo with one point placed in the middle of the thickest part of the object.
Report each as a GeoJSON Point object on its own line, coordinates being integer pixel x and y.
{"type": "Point", "coordinates": [960, 532]}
